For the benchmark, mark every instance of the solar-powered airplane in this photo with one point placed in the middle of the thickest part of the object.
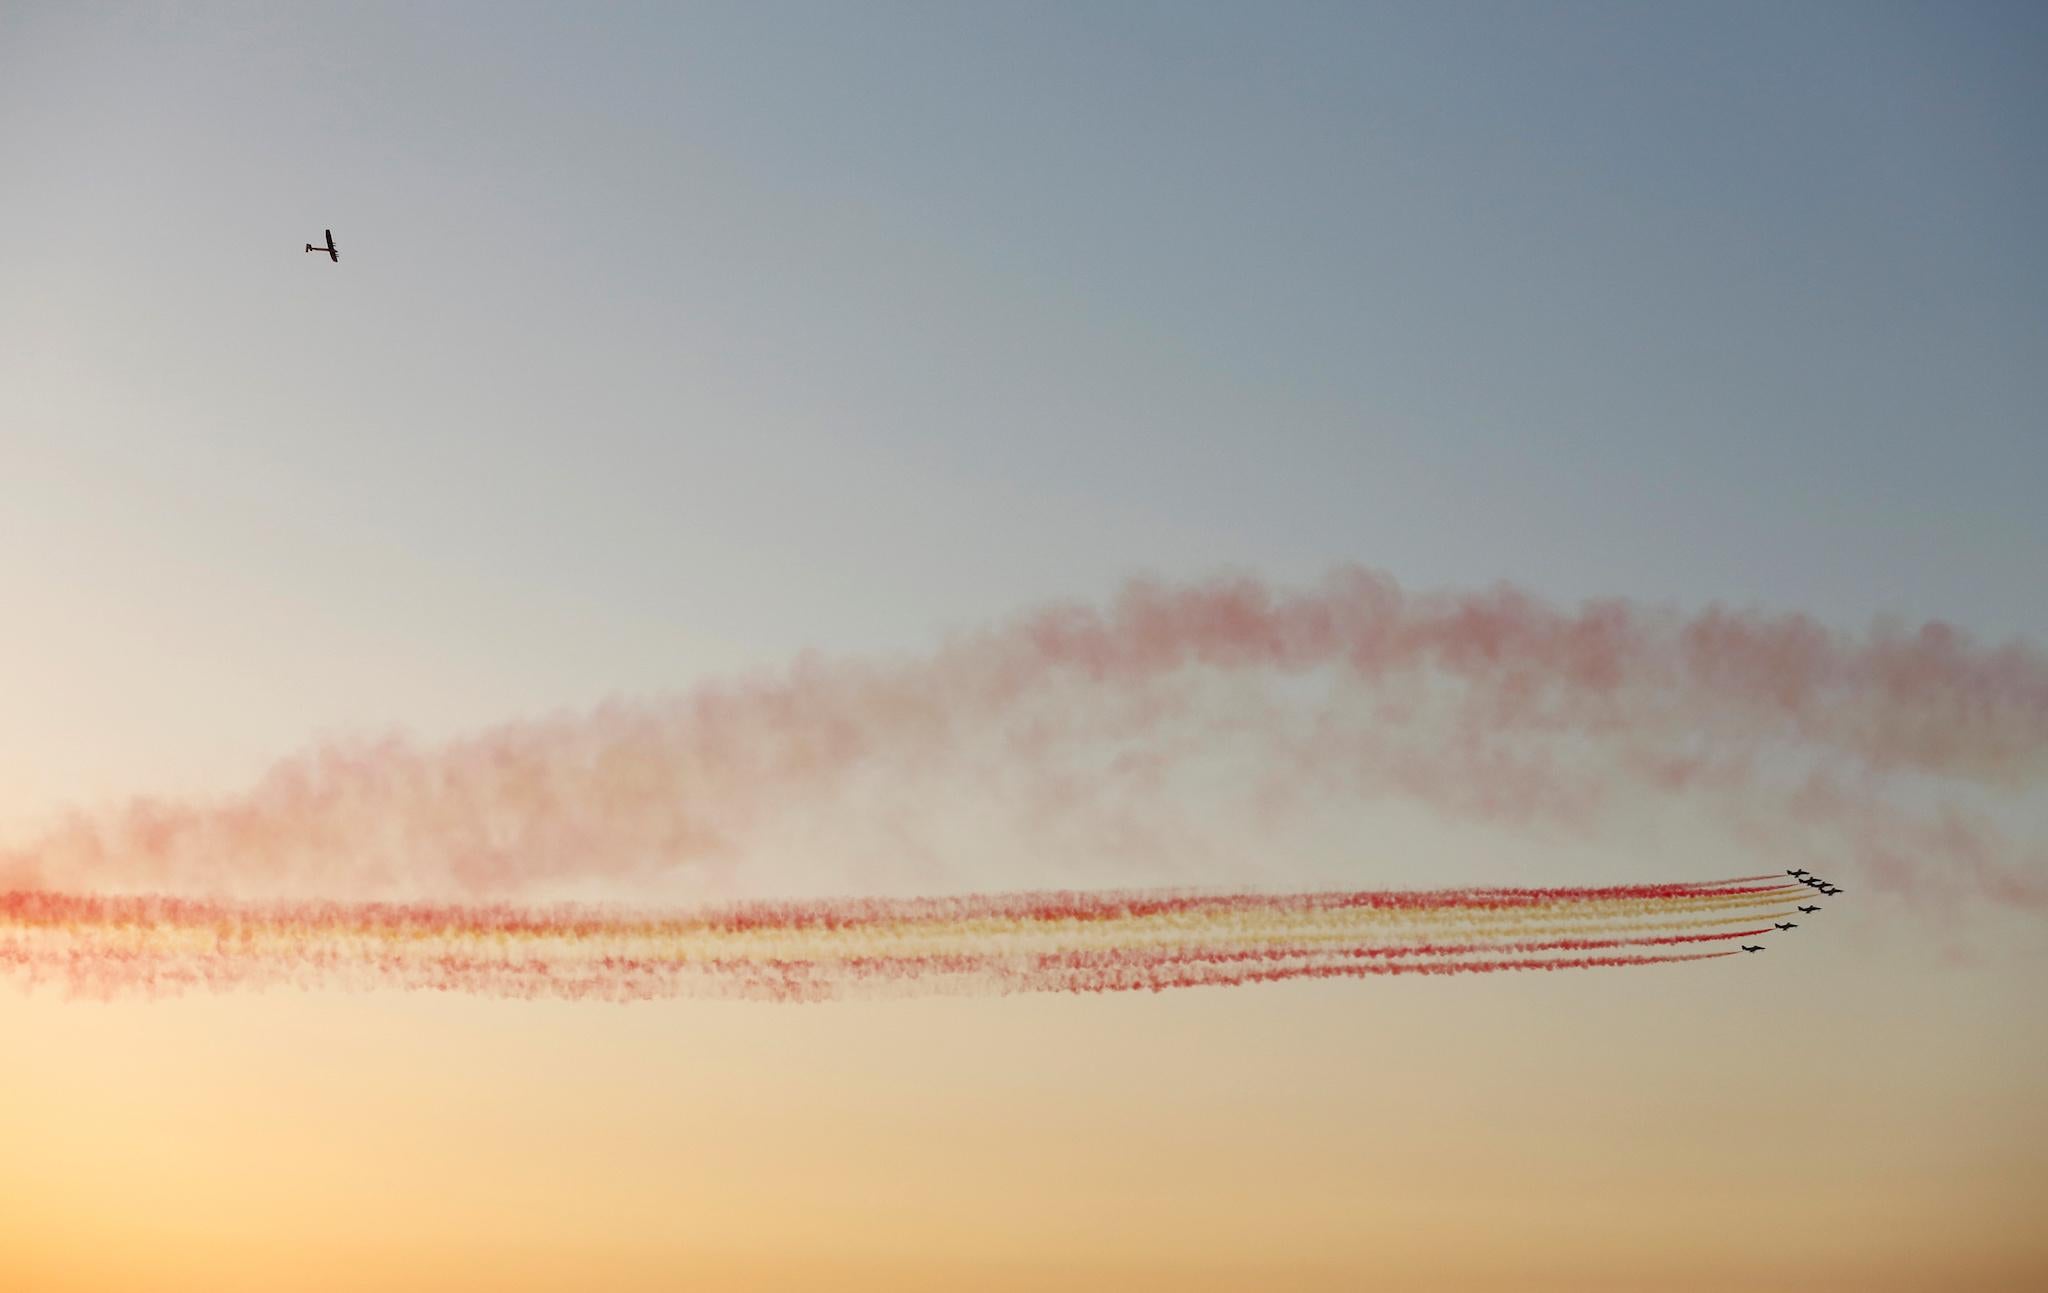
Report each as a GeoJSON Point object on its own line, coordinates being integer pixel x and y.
{"type": "Point", "coordinates": [332, 254]}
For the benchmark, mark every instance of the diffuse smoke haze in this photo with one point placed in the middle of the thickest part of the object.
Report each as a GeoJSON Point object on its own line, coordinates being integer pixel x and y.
{"type": "Point", "coordinates": [1127, 739]}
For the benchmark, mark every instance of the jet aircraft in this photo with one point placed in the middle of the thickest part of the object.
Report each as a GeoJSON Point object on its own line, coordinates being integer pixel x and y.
{"type": "Point", "coordinates": [1795, 872]}
{"type": "Point", "coordinates": [1808, 911]}
{"type": "Point", "coordinates": [332, 254]}
{"type": "Point", "coordinates": [1747, 948]}
{"type": "Point", "coordinates": [1788, 926]}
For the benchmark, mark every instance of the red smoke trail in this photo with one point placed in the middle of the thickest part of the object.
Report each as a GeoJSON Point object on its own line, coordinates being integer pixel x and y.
{"type": "Point", "coordinates": [1073, 717]}
{"type": "Point", "coordinates": [107, 975]}
{"type": "Point", "coordinates": [38, 908]}
{"type": "Point", "coordinates": [1411, 950]}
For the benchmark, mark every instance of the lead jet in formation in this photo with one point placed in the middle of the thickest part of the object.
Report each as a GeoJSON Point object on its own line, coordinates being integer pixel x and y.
{"type": "Point", "coordinates": [1747, 948]}
{"type": "Point", "coordinates": [1788, 926]}
{"type": "Point", "coordinates": [1808, 911]}
{"type": "Point", "coordinates": [332, 254]}
{"type": "Point", "coordinates": [1795, 872]}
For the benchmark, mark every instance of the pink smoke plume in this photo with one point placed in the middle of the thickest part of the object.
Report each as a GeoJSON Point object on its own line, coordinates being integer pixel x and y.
{"type": "Point", "coordinates": [1906, 758]}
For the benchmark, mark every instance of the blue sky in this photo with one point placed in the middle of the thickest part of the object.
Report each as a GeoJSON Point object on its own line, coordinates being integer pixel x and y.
{"type": "Point", "coordinates": [673, 339]}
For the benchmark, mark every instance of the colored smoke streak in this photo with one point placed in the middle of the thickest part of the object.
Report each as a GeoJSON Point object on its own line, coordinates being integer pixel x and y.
{"type": "Point", "coordinates": [1004, 943]}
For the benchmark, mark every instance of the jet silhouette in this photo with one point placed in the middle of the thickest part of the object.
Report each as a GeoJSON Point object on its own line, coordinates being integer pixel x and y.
{"type": "Point", "coordinates": [1747, 948]}
{"type": "Point", "coordinates": [1830, 890]}
{"type": "Point", "coordinates": [1794, 872]}
{"type": "Point", "coordinates": [332, 254]}
{"type": "Point", "coordinates": [1808, 910]}
{"type": "Point", "coordinates": [1788, 926]}
{"type": "Point", "coordinates": [1811, 883]}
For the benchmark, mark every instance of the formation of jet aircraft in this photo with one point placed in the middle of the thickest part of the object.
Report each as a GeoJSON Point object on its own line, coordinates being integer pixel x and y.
{"type": "Point", "coordinates": [1811, 881]}
{"type": "Point", "coordinates": [332, 254]}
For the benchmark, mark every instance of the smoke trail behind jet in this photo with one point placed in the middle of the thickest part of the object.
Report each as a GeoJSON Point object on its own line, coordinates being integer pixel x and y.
{"type": "Point", "coordinates": [820, 950]}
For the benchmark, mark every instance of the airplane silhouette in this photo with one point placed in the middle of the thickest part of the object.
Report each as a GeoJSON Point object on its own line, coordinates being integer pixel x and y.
{"type": "Point", "coordinates": [1788, 926]}
{"type": "Point", "coordinates": [1809, 910]}
{"type": "Point", "coordinates": [1811, 882]}
{"type": "Point", "coordinates": [332, 254]}
{"type": "Point", "coordinates": [1747, 948]}
{"type": "Point", "coordinates": [1795, 872]}
{"type": "Point", "coordinates": [1830, 890]}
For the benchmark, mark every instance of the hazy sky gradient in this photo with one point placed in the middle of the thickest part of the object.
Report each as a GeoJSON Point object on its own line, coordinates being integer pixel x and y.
{"type": "Point", "coordinates": [669, 341]}
{"type": "Point", "coordinates": [683, 338]}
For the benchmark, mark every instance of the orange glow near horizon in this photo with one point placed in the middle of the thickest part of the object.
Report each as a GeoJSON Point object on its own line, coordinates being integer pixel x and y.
{"type": "Point", "coordinates": [1601, 1132]}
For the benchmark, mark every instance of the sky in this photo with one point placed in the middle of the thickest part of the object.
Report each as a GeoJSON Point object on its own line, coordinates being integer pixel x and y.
{"type": "Point", "coordinates": [669, 343]}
